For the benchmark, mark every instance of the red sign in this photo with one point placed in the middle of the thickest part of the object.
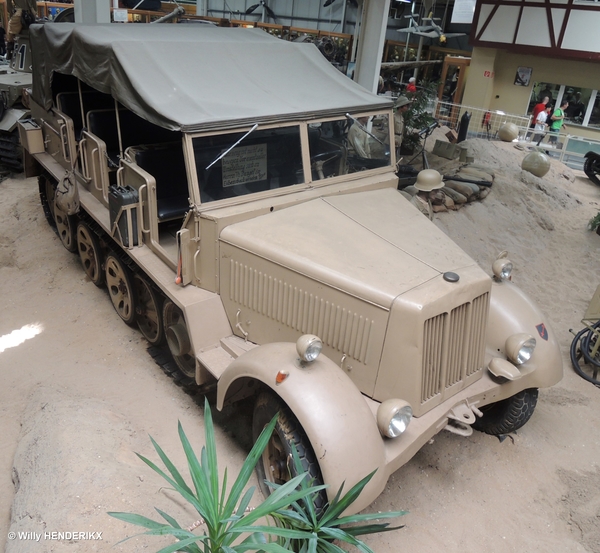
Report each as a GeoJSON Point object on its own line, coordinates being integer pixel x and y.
{"type": "Point", "coordinates": [489, 74]}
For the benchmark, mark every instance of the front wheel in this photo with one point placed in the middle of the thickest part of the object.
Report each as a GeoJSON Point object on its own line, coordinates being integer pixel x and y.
{"type": "Point", "coordinates": [276, 464]}
{"type": "Point", "coordinates": [507, 415]}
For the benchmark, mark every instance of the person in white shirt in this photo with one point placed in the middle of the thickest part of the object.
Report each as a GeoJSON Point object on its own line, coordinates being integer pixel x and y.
{"type": "Point", "coordinates": [541, 123]}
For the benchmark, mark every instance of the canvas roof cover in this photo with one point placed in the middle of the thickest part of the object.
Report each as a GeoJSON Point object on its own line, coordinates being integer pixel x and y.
{"type": "Point", "coordinates": [195, 77]}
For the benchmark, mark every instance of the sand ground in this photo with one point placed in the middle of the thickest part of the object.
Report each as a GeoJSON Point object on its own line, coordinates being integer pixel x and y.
{"type": "Point", "coordinates": [80, 397]}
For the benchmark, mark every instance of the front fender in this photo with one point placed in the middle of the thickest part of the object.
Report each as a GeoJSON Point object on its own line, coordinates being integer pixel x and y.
{"type": "Point", "coordinates": [512, 312]}
{"type": "Point", "coordinates": [335, 416]}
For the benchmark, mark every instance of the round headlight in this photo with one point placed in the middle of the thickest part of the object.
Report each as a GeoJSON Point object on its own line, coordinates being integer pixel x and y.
{"type": "Point", "coordinates": [519, 348]}
{"type": "Point", "coordinates": [309, 347]}
{"type": "Point", "coordinates": [393, 417]}
{"type": "Point", "coordinates": [502, 268]}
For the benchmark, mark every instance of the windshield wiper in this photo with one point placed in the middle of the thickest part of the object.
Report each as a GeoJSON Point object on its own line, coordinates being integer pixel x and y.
{"type": "Point", "coordinates": [362, 128]}
{"type": "Point", "coordinates": [232, 147]}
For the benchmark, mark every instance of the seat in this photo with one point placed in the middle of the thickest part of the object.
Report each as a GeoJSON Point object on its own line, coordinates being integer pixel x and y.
{"type": "Point", "coordinates": [68, 103]}
{"type": "Point", "coordinates": [134, 131]}
{"type": "Point", "coordinates": [165, 162]}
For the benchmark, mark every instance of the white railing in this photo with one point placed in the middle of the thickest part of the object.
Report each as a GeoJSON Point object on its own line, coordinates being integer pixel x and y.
{"type": "Point", "coordinates": [483, 123]}
{"type": "Point", "coordinates": [568, 148]}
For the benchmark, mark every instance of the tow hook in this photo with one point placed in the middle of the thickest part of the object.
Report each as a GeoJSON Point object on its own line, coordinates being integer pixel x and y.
{"type": "Point", "coordinates": [461, 417]}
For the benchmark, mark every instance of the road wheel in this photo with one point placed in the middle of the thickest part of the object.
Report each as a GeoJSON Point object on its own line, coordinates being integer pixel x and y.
{"type": "Point", "coordinates": [90, 253]}
{"type": "Point", "coordinates": [508, 415]}
{"type": "Point", "coordinates": [120, 288]}
{"type": "Point", "coordinates": [148, 310]}
{"type": "Point", "coordinates": [178, 340]}
{"type": "Point", "coordinates": [66, 227]}
{"type": "Point", "coordinates": [47, 191]}
{"type": "Point", "coordinates": [276, 464]}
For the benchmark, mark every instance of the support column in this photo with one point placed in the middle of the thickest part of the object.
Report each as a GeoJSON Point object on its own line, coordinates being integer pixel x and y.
{"type": "Point", "coordinates": [373, 25]}
{"type": "Point", "coordinates": [92, 11]}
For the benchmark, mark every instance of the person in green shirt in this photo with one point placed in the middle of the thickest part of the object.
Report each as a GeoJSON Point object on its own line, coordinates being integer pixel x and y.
{"type": "Point", "coordinates": [557, 119]}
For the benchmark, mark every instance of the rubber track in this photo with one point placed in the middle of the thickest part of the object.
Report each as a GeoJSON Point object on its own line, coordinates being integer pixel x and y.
{"type": "Point", "coordinates": [11, 155]}
{"type": "Point", "coordinates": [163, 358]}
{"type": "Point", "coordinates": [161, 355]}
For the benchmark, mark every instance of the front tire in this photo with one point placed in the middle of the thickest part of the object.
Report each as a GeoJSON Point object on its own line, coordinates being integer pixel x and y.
{"type": "Point", "coordinates": [507, 415]}
{"type": "Point", "coordinates": [276, 464]}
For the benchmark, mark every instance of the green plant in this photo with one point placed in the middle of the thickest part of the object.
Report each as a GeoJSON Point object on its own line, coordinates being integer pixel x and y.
{"type": "Point", "coordinates": [416, 118]}
{"type": "Point", "coordinates": [329, 525]}
{"type": "Point", "coordinates": [225, 515]}
{"type": "Point", "coordinates": [594, 222]}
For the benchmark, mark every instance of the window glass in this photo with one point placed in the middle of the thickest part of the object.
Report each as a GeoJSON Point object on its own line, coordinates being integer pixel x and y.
{"type": "Point", "coordinates": [595, 115]}
{"type": "Point", "coordinates": [579, 102]}
{"type": "Point", "coordinates": [264, 160]}
{"type": "Point", "coordinates": [540, 90]}
{"type": "Point", "coordinates": [578, 99]}
{"type": "Point", "coordinates": [348, 145]}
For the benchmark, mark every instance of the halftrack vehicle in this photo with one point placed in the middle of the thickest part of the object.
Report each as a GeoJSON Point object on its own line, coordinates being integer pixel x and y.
{"type": "Point", "coordinates": [15, 76]}
{"type": "Point", "coordinates": [206, 176]}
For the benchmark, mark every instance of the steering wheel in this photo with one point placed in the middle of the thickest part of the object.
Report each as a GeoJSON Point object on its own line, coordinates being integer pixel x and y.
{"type": "Point", "coordinates": [319, 160]}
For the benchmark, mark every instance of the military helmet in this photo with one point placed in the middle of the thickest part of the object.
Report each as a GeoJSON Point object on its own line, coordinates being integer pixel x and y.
{"type": "Point", "coordinates": [428, 180]}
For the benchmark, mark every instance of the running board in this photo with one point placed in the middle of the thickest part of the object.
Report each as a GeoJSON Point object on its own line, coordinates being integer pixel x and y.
{"type": "Point", "coordinates": [219, 357]}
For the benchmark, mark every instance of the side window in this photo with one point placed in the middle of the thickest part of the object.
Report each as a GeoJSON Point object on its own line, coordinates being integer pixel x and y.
{"type": "Point", "coordinates": [264, 160]}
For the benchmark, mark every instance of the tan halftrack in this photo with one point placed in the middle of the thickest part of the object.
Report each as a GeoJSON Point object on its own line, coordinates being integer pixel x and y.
{"type": "Point", "coordinates": [209, 177]}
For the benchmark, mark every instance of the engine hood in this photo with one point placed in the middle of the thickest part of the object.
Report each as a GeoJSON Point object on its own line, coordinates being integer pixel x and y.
{"type": "Point", "coordinates": [373, 245]}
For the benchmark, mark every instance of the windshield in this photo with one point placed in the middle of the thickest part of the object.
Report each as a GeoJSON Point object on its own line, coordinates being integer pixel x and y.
{"type": "Point", "coordinates": [255, 160]}
{"type": "Point", "coordinates": [348, 145]}
{"type": "Point", "coordinates": [263, 160]}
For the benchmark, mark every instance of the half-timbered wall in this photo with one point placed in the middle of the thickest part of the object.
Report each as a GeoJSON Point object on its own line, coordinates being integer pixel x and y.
{"type": "Point", "coordinates": [547, 42]}
{"type": "Point", "coordinates": [557, 28]}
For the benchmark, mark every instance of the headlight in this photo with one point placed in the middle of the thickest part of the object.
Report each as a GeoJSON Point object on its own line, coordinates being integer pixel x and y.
{"type": "Point", "coordinates": [393, 417]}
{"type": "Point", "coordinates": [519, 348]}
{"type": "Point", "coordinates": [309, 347]}
{"type": "Point", "coordinates": [502, 268]}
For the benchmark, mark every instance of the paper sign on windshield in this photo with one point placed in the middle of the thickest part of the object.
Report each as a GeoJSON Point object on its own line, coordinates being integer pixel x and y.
{"type": "Point", "coordinates": [245, 164]}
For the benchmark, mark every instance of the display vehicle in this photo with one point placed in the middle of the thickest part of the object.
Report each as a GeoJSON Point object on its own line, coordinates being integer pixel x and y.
{"type": "Point", "coordinates": [209, 177]}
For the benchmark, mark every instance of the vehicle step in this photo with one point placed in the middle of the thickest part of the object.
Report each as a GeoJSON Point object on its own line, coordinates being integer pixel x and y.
{"type": "Point", "coordinates": [218, 358]}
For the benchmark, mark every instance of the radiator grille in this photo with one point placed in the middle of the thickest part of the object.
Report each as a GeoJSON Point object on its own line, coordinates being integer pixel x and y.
{"type": "Point", "coordinates": [339, 328]}
{"type": "Point", "coordinates": [453, 346]}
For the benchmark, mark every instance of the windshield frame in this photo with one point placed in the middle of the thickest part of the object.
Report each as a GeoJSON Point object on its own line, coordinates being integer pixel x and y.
{"type": "Point", "coordinates": [308, 183]}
